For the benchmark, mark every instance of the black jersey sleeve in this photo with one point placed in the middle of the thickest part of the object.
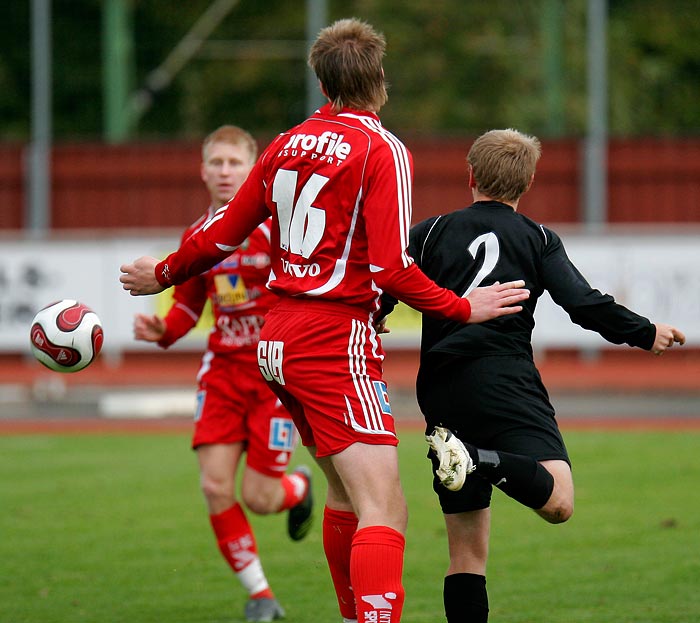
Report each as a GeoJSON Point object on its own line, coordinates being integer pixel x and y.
{"type": "Point", "coordinates": [588, 307]}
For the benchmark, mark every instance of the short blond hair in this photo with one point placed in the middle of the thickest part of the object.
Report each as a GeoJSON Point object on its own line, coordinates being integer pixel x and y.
{"type": "Point", "coordinates": [233, 135]}
{"type": "Point", "coordinates": [503, 163]}
{"type": "Point", "coordinates": [347, 59]}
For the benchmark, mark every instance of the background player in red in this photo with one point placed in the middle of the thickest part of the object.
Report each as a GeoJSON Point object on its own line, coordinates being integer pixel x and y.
{"type": "Point", "coordinates": [236, 413]}
{"type": "Point", "coordinates": [480, 381]}
{"type": "Point", "coordinates": [338, 187]}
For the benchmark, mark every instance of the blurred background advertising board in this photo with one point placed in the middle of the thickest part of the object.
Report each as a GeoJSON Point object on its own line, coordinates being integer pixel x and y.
{"type": "Point", "coordinates": [36, 273]}
{"type": "Point", "coordinates": [650, 272]}
{"type": "Point", "coordinates": [653, 273]}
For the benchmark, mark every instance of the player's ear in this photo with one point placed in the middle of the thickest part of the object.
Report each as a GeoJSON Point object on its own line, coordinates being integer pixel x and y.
{"type": "Point", "coordinates": [472, 181]}
{"type": "Point", "coordinates": [532, 179]}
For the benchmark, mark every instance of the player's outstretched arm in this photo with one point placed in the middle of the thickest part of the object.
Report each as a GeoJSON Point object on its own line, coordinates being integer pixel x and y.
{"type": "Point", "coordinates": [666, 336]}
{"type": "Point", "coordinates": [496, 300]}
{"type": "Point", "coordinates": [139, 278]}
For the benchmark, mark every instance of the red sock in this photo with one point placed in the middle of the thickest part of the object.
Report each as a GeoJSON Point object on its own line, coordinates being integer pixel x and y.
{"type": "Point", "coordinates": [376, 565]}
{"type": "Point", "coordinates": [338, 529]}
{"type": "Point", "coordinates": [295, 486]}
{"type": "Point", "coordinates": [237, 545]}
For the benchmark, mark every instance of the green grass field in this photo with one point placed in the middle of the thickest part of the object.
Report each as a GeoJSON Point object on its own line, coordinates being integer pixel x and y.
{"type": "Point", "coordinates": [112, 528]}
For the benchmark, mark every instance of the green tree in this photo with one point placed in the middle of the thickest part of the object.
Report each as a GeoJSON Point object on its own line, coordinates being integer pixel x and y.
{"type": "Point", "coordinates": [454, 66]}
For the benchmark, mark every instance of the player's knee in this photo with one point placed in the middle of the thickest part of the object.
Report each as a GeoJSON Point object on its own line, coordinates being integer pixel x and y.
{"type": "Point", "coordinates": [216, 492]}
{"type": "Point", "coordinates": [557, 512]}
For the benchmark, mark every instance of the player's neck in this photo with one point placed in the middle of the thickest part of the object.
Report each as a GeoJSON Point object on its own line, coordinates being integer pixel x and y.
{"type": "Point", "coordinates": [481, 197]}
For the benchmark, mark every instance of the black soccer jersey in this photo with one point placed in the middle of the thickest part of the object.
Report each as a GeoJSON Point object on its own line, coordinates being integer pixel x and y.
{"type": "Point", "coordinates": [489, 242]}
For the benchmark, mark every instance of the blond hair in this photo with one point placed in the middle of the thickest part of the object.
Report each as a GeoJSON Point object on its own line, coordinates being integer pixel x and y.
{"type": "Point", "coordinates": [347, 59]}
{"type": "Point", "coordinates": [503, 163]}
{"type": "Point", "coordinates": [233, 135]}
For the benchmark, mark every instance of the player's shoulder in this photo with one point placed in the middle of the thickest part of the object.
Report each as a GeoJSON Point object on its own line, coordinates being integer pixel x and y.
{"type": "Point", "coordinates": [276, 144]}
{"type": "Point", "coordinates": [538, 229]}
{"type": "Point", "coordinates": [370, 126]}
{"type": "Point", "coordinates": [198, 224]}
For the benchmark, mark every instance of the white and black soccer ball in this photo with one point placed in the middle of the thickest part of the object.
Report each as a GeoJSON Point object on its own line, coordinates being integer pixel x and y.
{"type": "Point", "coordinates": [66, 336]}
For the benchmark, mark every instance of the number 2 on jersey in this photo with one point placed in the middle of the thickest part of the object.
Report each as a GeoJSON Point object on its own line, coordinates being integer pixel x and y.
{"type": "Point", "coordinates": [301, 224]}
{"type": "Point", "coordinates": [491, 252]}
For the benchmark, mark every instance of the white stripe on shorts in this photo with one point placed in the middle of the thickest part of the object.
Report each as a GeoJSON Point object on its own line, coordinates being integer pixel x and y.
{"type": "Point", "coordinates": [371, 409]}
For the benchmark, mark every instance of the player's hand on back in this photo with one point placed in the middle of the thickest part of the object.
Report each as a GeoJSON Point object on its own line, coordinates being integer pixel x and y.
{"type": "Point", "coordinates": [499, 299]}
{"type": "Point", "coordinates": [140, 278]}
{"type": "Point", "coordinates": [380, 327]}
{"type": "Point", "coordinates": [666, 336]}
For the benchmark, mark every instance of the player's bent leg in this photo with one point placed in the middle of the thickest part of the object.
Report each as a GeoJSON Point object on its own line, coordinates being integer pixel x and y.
{"type": "Point", "coordinates": [272, 494]}
{"type": "Point", "coordinates": [260, 493]}
{"type": "Point", "coordinates": [560, 506]}
{"type": "Point", "coordinates": [464, 591]}
{"type": "Point", "coordinates": [519, 476]}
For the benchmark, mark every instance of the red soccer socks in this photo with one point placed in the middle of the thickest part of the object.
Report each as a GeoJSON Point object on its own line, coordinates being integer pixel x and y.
{"type": "Point", "coordinates": [376, 565]}
{"type": "Point", "coordinates": [338, 531]}
{"type": "Point", "coordinates": [295, 486]}
{"type": "Point", "coordinates": [237, 545]}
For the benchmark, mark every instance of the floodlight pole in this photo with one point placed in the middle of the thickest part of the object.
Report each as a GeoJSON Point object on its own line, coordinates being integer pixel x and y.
{"type": "Point", "coordinates": [38, 158]}
{"type": "Point", "coordinates": [595, 187]}
{"type": "Point", "coordinates": [316, 19]}
{"type": "Point", "coordinates": [117, 50]}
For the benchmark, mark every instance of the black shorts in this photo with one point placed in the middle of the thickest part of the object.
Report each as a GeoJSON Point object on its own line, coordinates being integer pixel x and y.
{"type": "Point", "coordinates": [494, 403]}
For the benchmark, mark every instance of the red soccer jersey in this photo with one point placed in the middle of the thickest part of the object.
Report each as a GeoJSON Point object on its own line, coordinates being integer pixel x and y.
{"type": "Point", "coordinates": [341, 187]}
{"type": "Point", "coordinates": [236, 287]}
{"type": "Point", "coordinates": [338, 187]}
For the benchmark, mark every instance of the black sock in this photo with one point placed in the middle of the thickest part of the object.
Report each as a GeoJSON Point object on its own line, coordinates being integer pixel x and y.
{"type": "Point", "coordinates": [518, 476]}
{"type": "Point", "coordinates": [465, 598]}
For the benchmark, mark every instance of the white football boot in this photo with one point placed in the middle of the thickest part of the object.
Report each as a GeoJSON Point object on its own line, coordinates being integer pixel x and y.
{"type": "Point", "coordinates": [455, 462]}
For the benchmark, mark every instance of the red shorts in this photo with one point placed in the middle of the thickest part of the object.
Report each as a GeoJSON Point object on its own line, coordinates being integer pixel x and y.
{"type": "Point", "coordinates": [324, 361]}
{"type": "Point", "coordinates": [234, 403]}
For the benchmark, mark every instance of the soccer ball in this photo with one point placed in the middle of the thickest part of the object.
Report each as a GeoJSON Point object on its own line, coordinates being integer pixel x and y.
{"type": "Point", "coordinates": [66, 336]}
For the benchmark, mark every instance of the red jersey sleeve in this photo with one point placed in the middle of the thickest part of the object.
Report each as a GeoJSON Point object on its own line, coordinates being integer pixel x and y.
{"type": "Point", "coordinates": [414, 288]}
{"type": "Point", "coordinates": [190, 298]}
{"type": "Point", "coordinates": [226, 230]}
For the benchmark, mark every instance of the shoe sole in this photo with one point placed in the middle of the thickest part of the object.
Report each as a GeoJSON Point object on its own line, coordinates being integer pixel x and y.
{"type": "Point", "coordinates": [455, 462]}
